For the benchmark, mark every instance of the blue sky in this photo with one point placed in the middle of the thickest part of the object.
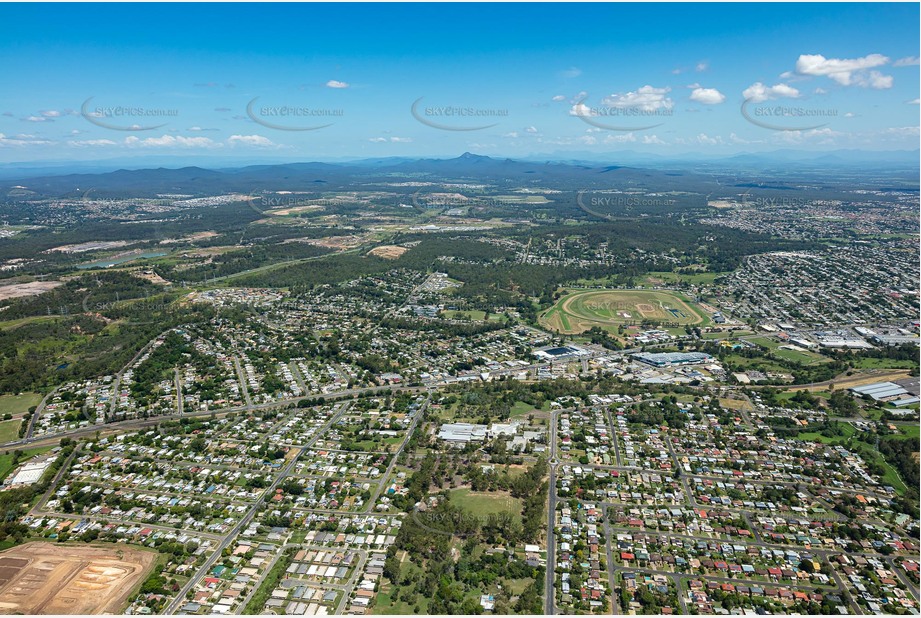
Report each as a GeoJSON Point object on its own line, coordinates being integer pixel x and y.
{"type": "Point", "coordinates": [237, 81]}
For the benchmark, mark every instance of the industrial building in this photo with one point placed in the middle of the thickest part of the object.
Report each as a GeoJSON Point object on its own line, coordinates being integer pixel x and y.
{"type": "Point", "coordinates": [668, 359]}
{"type": "Point", "coordinates": [882, 391]}
{"type": "Point", "coordinates": [559, 353]}
{"type": "Point", "coordinates": [462, 433]}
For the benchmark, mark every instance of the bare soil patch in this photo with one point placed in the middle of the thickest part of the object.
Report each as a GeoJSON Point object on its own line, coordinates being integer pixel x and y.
{"type": "Point", "coordinates": [388, 252]}
{"type": "Point", "coordinates": [55, 578]}
{"type": "Point", "coordinates": [33, 288]}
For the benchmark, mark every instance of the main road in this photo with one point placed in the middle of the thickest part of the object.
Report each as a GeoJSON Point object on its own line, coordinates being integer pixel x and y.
{"type": "Point", "coordinates": [180, 598]}
{"type": "Point", "coordinates": [550, 584]}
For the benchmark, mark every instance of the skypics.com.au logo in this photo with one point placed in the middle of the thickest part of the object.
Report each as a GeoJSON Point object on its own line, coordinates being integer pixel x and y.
{"type": "Point", "coordinates": [455, 117]}
{"type": "Point", "coordinates": [282, 203]}
{"type": "Point", "coordinates": [125, 117]}
{"type": "Point", "coordinates": [631, 112]}
{"type": "Point", "coordinates": [291, 117]}
{"type": "Point", "coordinates": [596, 203]}
{"type": "Point", "coordinates": [760, 107]}
{"type": "Point", "coordinates": [124, 309]}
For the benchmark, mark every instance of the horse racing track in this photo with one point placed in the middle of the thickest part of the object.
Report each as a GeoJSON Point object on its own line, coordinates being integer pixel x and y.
{"type": "Point", "coordinates": [581, 310]}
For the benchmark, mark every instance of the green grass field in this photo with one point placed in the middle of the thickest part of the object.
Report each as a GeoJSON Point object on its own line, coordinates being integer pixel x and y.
{"type": "Point", "coordinates": [387, 601]}
{"type": "Point", "coordinates": [702, 278]}
{"type": "Point", "coordinates": [481, 504]}
{"type": "Point", "coordinates": [812, 436]}
{"type": "Point", "coordinates": [9, 430]}
{"type": "Point", "coordinates": [580, 310]}
{"type": "Point", "coordinates": [521, 409]}
{"type": "Point", "coordinates": [890, 475]}
{"type": "Point", "coordinates": [18, 404]}
{"type": "Point", "coordinates": [909, 431]}
{"type": "Point", "coordinates": [760, 364]}
{"type": "Point", "coordinates": [803, 358]}
{"type": "Point", "coordinates": [11, 324]}
{"type": "Point", "coordinates": [472, 314]}
{"type": "Point", "coordinates": [884, 363]}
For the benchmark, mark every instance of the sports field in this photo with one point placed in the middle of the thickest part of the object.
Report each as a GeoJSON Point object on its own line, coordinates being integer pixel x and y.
{"type": "Point", "coordinates": [581, 310]}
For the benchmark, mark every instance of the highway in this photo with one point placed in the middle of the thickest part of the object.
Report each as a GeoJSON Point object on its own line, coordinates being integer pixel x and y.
{"type": "Point", "coordinates": [141, 423]}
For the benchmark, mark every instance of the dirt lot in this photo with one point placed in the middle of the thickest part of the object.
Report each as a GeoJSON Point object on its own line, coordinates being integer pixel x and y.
{"type": "Point", "coordinates": [339, 243]}
{"type": "Point", "coordinates": [388, 252]}
{"type": "Point", "coordinates": [863, 378]}
{"type": "Point", "coordinates": [54, 578]}
{"type": "Point", "coordinates": [34, 288]}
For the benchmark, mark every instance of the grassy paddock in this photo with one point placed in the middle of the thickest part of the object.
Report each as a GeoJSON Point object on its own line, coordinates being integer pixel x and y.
{"type": "Point", "coordinates": [580, 310]}
{"type": "Point", "coordinates": [18, 405]}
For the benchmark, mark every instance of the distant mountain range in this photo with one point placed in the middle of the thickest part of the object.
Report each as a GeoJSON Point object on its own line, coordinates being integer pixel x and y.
{"type": "Point", "coordinates": [335, 176]}
{"type": "Point", "coordinates": [842, 158]}
{"type": "Point", "coordinates": [574, 174]}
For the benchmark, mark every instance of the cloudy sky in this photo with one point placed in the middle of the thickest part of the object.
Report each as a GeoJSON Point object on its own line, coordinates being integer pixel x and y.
{"type": "Point", "coordinates": [314, 82]}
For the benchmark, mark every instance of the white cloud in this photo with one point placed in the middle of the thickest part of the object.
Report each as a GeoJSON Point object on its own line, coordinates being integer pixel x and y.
{"type": "Point", "coordinates": [874, 79]}
{"type": "Point", "coordinates": [653, 139]}
{"type": "Point", "coordinates": [758, 92]}
{"type": "Point", "coordinates": [21, 140]}
{"type": "Point", "coordinates": [914, 102]}
{"type": "Point", "coordinates": [580, 109]}
{"type": "Point", "coordinates": [846, 71]}
{"type": "Point", "coordinates": [571, 72]}
{"type": "Point", "coordinates": [823, 136]}
{"type": "Point", "coordinates": [703, 138]}
{"type": "Point", "coordinates": [707, 96]}
{"type": "Point", "coordinates": [531, 129]}
{"type": "Point", "coordinates": [511, 134]}
{"type": "Point", "coordinates": [903, 131]}
{"type": "Point", "coordinates": [51, 113]}
{"type": "Point", "coordinates": [646, 98]}
{"type": "Point", "coordinates": [558, 98]}
{"type": "Point", "coordinates": [620, 138]}
{"type": "Point", "coordinates": [703, 65]}
{"type": "Point", "coordinates": [92, 142]}
{"type": "Point", "coordinates": [38, 119]}
{"type": "Point", "coordinates": [909, 61]}
{"type": "Point", "coordinates": [248, 140]}
{"type": "Point", "coordinates": [171, 141]}
{"type": "Point", "coordinates": [735, 139]}
{"type": "Point", "coordinates": [336, 84]}
{"type": "Point", "coordinates": [392, 140]}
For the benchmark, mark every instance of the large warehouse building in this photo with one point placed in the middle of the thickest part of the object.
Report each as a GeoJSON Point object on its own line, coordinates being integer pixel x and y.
{"type": "Point", "coordinates": [668, 359]}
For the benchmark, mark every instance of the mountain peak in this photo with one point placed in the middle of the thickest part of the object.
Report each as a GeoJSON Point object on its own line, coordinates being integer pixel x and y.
{"type": "Point", "coordinates": [469, 156]}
